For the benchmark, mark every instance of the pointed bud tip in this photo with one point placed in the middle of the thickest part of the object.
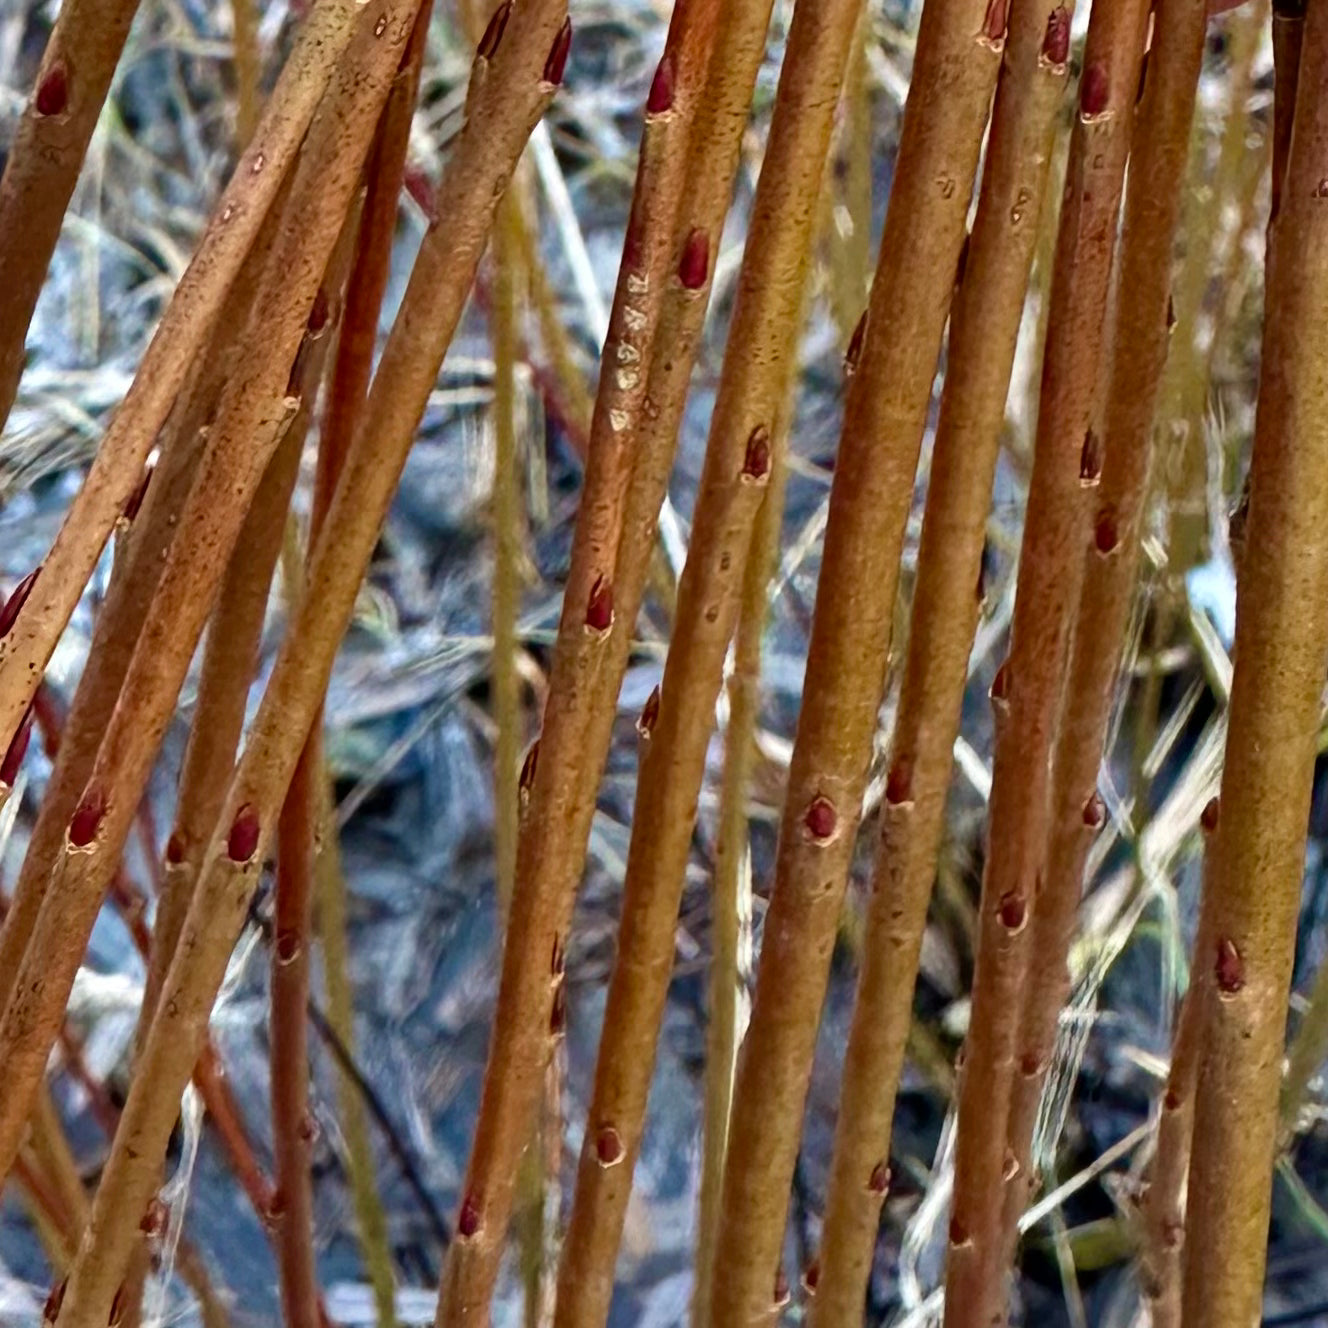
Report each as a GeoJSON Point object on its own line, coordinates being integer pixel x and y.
{"type": "Point", "coordinates": [1230, 967]}
{"type": "Point", "coordinates": [694, 265]}
{"type": "Point", "coordinates": [1094, 90]}
{"type": "Point", "coordinates": [994, 24]}
{"type": "Point", "coordinates": [1090, 459]}
{"type": "Point", "coordinates": [52, 97]}
{"type": "Point", "coordinates": [1012, 910]}
{"type": "Point", "coordinates": [87, 817]}
{"type": "Point", "coordinates": [645, 725]}
{"type": "Point", "coordinates": [18, 597]}
{"type": "Point", "coordinates": [528, 768]}
{"type": "Point", "coordinates": [18, 749]}
{"type": "Point", "coordinates": [242, 841]}
{"type": "Point", "coordinates": [821, 819]}
{"type": "Point", "coordinates": [468, 1219]}
{"type": "Point", "coordinates": [756, 461]}
{"type": "Point", "coordinates": [660, 98]}
{"type": "Point", "coordinates": [854, 352]}
{"type": "Point", "coordinates": [493, 33]}
{"type": "Point", "coordinates": [1056, 41]}
{"type": "Point", "coordinates": [599, 607]}
{"type": "Point", "coordinates": [1106, 533]}
{"type": "Point", "coordinates": [556, 65]}
{"type": "Point", "coordinates": [1208, 818]}
{"type": "Point", "coordinates": [608, 1146]}
{"type": "Point", "coordinates": [134, 505]}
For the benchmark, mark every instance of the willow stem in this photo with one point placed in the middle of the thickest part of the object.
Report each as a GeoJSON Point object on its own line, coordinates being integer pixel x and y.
{"type": "Point", "coordinates": [511, 84]}
{"type": "Point", "coordinates": [1066, 471]}
{"type": "Point", "coordinates": [1137, 357]}
{"type": "Point", "coordinates": [753, 393]}
{"type": "Point", "coordinates": [43, 162]}
{"type": "Point", "coordinates": [174, 352]}
{"type": "Point", "coordinates": [1243, 982]}
{"type": "Point", "coordinates": [252, 417]}
{"type": "Point", "coordinates": [947, 599]}
{"type": "Point", "coordinates": [891, 366]}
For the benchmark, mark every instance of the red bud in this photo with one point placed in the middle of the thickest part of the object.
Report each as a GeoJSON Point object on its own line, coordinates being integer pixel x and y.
{"type": "Point", "coordinates": [556, 64]}
{"type": "Point", "coordinates": [493, 34]}
{"type": "Point", "coordinates": [694, 265]}
{"type": "Point", "coordinates": [13, 606]}
{"type": "Point", "coordinates": [661, 87]}
{"type": "Point", "coordinates": [53, 91]}
{"type": "Point", "coordinates": [242, 842]}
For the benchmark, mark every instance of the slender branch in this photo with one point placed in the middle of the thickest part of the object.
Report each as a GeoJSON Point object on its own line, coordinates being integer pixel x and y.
{"type": "Point", "coordinates": [135, 576]}
{"type": "Point", "coordinates": [956, 61]}
{"type": "Point", "coordinates": [984, 328]}
{"type": "Point", "coordinates": [307, 799]}
{"type": "Point", "coordinates": [252, 416]}
{"type": "Point", "coordinates": [507, 522]}
{"type": "Point", "coordinates": [248, 69]}
{"type": "Point", "coordinates": [1163, 1205]}
{"type": "Point", "coordinates": [175, 350]}
{"type": "Point", "coordinates": [43, 163]}
{"type": "Point", "coordinates": [732, 865]}
{"type": "Point", "coordinates": [1243, 981]}
{"type": "Point", "coordinates": [753, 392]}
{"type": "Point", "coordinates": [583, 682]}
{"type": "Point", "coordinates": [515, 75]}
{"type": "Point", "coordinates": [1066, 469]}
{"type": "Point", "coordinates": [1137, 357]}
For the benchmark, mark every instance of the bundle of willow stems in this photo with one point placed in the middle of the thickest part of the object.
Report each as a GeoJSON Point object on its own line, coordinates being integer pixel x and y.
{"type": "Point", "coordinates": [272, 337]}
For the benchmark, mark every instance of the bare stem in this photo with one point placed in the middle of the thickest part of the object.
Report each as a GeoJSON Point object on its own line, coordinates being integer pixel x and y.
{"type": "Point", "coordinates": [947, 596]}
{"type": "Point", "coordinates": [1163, 1206]}
{"type": "Point", "coordinates": [752, 397]}
{"type": "Point", "coordinates": [174, 352]}
{"type": "Point", "coordinates": [1137, 356]}
{"type": "Point", "coordinates": [1243, 981]}
{"type": "Point", "coordinates": [1066, 470]}
{"type": "Point", "coordinates": [252, 417]}
{"type": "Point", "coordinates": [954, 74]}
{"type": "Point", "coordinates": [43, 163]}
{"type": "Point", "coordinates": [511, 83]}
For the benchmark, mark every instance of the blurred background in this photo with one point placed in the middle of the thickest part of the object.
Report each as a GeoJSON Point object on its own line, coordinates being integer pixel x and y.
{"type": "Point", "coordinates": [411, 735]}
